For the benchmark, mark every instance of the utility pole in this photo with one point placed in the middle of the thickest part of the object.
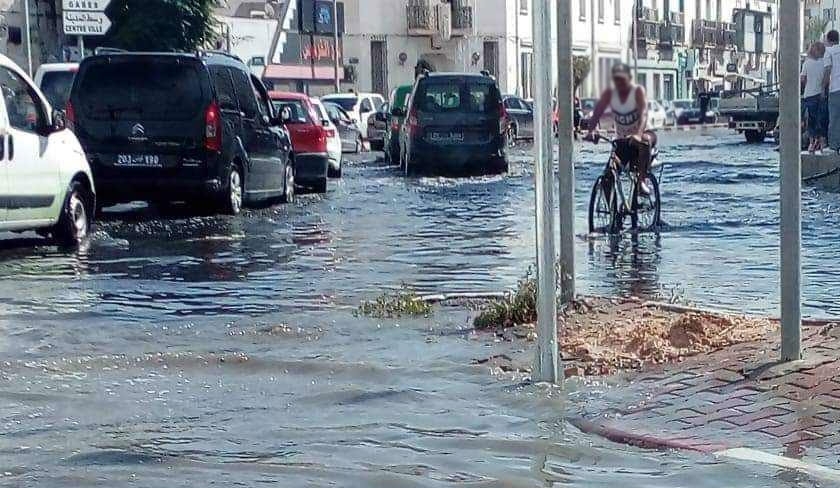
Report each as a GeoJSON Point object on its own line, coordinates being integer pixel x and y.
{"type": "Point", "coordinates": [790, 184]}
{"type": "Point", "coordinates": [547, 363]}
{"type": "Point", "coordinates": [566, 149]}
{"type": "Point", "coordinates": [335, 41]}
{"type": "Point", "coordinates": [28, 36]}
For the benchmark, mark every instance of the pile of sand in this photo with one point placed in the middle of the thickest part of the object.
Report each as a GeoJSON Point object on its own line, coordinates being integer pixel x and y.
{"type": "Point", "coordinates": [600, 336]}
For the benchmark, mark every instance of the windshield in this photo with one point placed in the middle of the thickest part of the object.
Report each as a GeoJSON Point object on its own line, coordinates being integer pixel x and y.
{"type": "Point", "coordinates": [682, 103]}
{"type": "Point", "coordinates": [56, 86]}
{"type": "Point", "coordinates": [344, 102]}
{"type": "Point", "coordinates": [448, 96]}
{"type": "Point", "coordinates": [291, 111]}
{"type": "Point", "coordinates": [150, 89]}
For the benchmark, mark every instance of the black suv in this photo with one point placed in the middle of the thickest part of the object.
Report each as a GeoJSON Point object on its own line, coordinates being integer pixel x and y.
{"type": "Point", "coordinates": [164, 127]}
{"type": "Point", "coordinates": [456, 124]}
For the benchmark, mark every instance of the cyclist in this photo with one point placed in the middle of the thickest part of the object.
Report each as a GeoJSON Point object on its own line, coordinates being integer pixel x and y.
{"type": "Point", "coordinates": [628, 103]}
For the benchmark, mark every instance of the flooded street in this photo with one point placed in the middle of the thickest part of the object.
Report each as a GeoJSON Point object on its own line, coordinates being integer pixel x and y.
{"type": "Point", "coordinates": [189, 351]}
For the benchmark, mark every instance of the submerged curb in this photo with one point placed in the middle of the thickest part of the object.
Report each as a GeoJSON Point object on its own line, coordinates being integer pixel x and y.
{"type": "Point", "coordinates": [681, 128]}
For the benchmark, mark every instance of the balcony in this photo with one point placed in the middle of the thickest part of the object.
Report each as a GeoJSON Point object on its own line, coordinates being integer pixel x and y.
{"type": "Point", "coordinates": [648, 33]}
{"type": "Point", "coordinates": [647, 14]}
{"type": "Point", "coordinates": [726, 36]}
{"type": "Point", "coordinates": [421, 21]}
{"type": "Point", "coordinates": [676, 18]}
{"type": "Point", "coordinates": [671, 35]}
{"type": "Point", "coordinates": [704, 33]}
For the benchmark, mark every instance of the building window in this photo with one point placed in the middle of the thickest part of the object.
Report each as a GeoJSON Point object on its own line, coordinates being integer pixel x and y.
{"type": "Point", "coordinates": [617, 11]}
{"type": "Point", "coordinates": [526, 74]}
{"type": "Point", "coordinates": [682, 6]}
{"type": "Point", "coordinates": [582, 8]}
{"type": "Point", "coordinates": [708, 9]}
{"type": "Point", "coordinates": [601, 11]}
{"type": "Point", "coordinates": [657, 87]}
{"type": "Point", "coordinates": [642, 81]}
{"type": "Point", "coordinates": [719, 11]}
{"type": "Point", "coordinates": [523, 7]}
{"type": "Point", "coordinates": [491, 57]}
{"type": "Point", "coordinates": [668, 87]}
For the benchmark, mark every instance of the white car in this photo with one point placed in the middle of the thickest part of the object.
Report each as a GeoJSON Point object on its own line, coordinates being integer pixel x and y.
{"type": "Point", "coordinates": [656, 115]}
{"type": "Point", "coordinates": [360, 106]}
{"type": "Point", "coordinates": [333, 137]}
{"type": "Point", "coordinates": [55, 81]}
{"type": "Point", "coordinates": [45, 182]}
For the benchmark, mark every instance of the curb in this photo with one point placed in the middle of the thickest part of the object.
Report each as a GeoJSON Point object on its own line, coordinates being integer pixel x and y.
{"type": "Point", "coordinates": [682, 128]}
{"type": "Point", "coordinates": [649, 441]}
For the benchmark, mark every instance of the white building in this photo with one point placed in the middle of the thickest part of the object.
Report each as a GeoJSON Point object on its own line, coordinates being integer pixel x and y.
{"type": "Point", "coordinates": [44, 35]}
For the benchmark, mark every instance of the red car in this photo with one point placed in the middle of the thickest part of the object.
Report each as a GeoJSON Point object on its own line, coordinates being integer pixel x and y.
{"type": "Point", "coordinates": [309, 138]}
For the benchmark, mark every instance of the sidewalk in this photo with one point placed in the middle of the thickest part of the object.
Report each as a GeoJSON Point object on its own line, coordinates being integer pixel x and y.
{"type": "Point", "coordinates": [736, 398]}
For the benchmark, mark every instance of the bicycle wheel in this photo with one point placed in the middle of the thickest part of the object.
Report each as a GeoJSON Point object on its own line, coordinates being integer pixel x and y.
{"type": "Point", "coordinates": [647, 208]}
{"type": "Point", "coordinates": [603, 209]}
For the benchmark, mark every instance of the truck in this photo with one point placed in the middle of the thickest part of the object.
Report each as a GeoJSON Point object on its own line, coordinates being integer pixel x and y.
{"type": "Point", "coordinates": [753, 112]}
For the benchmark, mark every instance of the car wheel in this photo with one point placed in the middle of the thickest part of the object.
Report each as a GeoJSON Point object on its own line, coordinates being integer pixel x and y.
{"type": "Point", "coordinates": [231, 203]}
{"type": "Point", "coordinates": [75, 220]}
{"type": "Point", "coordinates": [335, 172]}
{"type": "Point", "coordinates": [289, 184]}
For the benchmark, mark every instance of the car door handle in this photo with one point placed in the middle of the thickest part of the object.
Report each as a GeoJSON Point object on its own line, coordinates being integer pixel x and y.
{"type": "Point", "coordinates": [11, 142]}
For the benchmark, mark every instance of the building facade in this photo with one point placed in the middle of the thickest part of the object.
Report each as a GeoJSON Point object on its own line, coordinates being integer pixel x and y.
{"type": "Point", "coordinates": [44, 30]}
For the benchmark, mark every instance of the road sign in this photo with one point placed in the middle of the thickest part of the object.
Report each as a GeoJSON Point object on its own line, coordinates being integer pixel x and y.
{"type": "Point", "coordinates": [85, 5]}
{"type": "Point", "coordinates": [86, 23]}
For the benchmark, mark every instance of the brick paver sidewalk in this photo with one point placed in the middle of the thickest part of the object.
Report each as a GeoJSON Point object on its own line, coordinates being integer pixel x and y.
{"type": "Point", "coordinates": [737, 398]}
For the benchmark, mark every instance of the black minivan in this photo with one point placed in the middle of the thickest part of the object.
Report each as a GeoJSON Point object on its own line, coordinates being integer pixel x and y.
{"type": "Point", "coordinates": [455, 125]}
{"type": "Point", "coordinates": [163, 127]}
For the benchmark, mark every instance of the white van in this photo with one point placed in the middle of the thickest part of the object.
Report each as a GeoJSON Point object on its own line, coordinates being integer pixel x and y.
{"type": "Point", "coordinates": [45, 182]}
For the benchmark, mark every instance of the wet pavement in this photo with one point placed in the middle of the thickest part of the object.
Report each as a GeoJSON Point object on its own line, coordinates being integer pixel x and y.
{"type": "Point", "coordinates": [189, 350]}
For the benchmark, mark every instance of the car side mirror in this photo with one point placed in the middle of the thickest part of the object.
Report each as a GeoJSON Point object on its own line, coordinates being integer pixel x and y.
{"type": "Point", "coordinates": [59, 120]}
{"type": "Point", "coordinates": [266, 120]}
{"type": "Point", "coordinates": [365, 110]}
{"type": "Point", "coordinates": [325, 122]}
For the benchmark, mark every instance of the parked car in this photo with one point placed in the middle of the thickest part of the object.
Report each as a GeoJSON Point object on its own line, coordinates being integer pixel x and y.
{"type": "Point", "coordinates": [520, 118]}
{"type": "Point", "coordinates": [309, 139]}
{"type": "Point", "coordinates": [396, 116]}
{"type": "Point", "coordinates": [656, 115]}
{"type": "Point", "coordinates": [46, 184]}
{"type": "Point", "coordinates": [456, 124]}
{"type": "Point", "coordinates": [360, 106]}
{"type": "Point", "coordinates": [351, 136]}
{"type": "Point", "coordinates": [163, 127]}
{"type": "Point", "coordinates": [677, 110]}
{"type": "Point", "coordinates": [376, 128]}
{"type": "Point", "coordinates": [334, 146]}
{"type": "Point", "coordinates": [55, 81]}
{"type": "Point", "coordinates": [695, 115]}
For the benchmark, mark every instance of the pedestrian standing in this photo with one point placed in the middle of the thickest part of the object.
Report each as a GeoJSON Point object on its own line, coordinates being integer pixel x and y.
{"type": "Point", "coordinates": [831, 83]}
{"type": "Point", "coordinates": [811, 78]}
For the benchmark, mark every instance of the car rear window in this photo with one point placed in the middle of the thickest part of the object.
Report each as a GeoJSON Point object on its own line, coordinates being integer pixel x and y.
{"type": "Point", "coordinates": [143, 88]}
{"type": "Point", "coordinates": [400, 97]}
{"type": "Point", "coordinates": [344, 102]}
{"type": "Point", "coordinates": [457, 96]}
{"type": "Point", "coordinates": [292, 111]}
{"type": "Point", "coordinates": [56, 87]}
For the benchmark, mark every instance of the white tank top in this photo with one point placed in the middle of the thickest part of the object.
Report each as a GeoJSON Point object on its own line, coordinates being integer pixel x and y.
{"type": "Point", "coordinates": [626, 113]}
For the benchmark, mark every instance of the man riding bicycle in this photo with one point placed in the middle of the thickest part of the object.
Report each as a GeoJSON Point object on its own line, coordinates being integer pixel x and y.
{"type": "Point", "coordinates": [628, 103]}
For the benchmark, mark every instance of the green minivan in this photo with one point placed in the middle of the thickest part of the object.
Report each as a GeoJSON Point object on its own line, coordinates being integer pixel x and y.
{"type": "Point", "coordinates": [396, 116]}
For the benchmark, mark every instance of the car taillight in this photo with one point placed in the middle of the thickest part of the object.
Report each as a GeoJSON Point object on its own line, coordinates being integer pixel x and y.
{"type": "Point", "coordinates": [395, 125]}
{"type": "Point", "coordinates": [70, 115]}
{"type": "Point", "coordinates": [503, 115]}
{"type": "Point", "coordinates": [213, 128]}
{"type": "Point", "coordinates": [413, 123]}
{"type": "Point", "coordinates": [329, 133]}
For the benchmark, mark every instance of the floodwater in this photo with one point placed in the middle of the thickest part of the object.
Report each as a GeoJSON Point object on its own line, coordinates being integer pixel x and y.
{"type": "Point", "coordinates": [178, 351]}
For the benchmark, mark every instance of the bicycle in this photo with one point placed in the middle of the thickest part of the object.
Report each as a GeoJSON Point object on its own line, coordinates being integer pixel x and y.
{"type": "Point", "coordinates": [609, 204]}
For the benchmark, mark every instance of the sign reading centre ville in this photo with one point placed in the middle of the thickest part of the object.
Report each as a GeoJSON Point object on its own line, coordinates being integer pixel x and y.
{"type": "Point", "coordinates": [85, 17]}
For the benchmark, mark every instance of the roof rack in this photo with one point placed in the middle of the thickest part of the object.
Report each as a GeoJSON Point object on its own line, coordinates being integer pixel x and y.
{"type": "Point", "coordinates": [108, 50]}
{"type": "Point", "coordinates": [217, 52]}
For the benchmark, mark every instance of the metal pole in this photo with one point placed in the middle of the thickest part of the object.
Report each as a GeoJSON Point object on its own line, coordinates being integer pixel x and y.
{"type": "Point", "coordinates": [790, 161]}
{"type": "Point", "coordinates": [81, 47]}
{"type": "Point", "coordinates": [566, 149]}
{"type": "Point", "coordinates": [546, 363]}
{"type": "Point", "coordinates": [28, 35]}
{"type": "Point", "coordinates": [335, 40]}
{"type": "Point", "coordinates": [636, 40]}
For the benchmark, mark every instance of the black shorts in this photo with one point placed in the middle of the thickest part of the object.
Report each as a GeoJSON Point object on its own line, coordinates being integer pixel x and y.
{"type": "Point", "coordinates": [627, 149]}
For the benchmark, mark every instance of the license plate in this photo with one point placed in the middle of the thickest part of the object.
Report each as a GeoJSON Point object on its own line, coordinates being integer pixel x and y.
{"type": "Point", "coordinates": [139, 160]}
{"type": "Point", "coordinates": [446, 137]}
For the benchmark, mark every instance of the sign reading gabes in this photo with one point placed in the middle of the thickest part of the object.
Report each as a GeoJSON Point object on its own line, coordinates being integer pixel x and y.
{"type": "Point", "coordinates": [86, 5]}
{"type": "Point", "coordinates": [86, 17]}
